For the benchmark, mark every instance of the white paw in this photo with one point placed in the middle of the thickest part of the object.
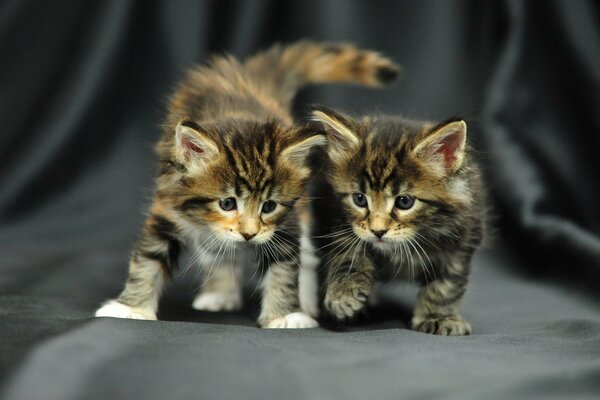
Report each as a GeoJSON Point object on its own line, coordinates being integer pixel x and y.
{"type": "Point", "coordinates": [114, 309]}
{"type": "Point", "coordinates": [297, 320]}
{"type": "Point", "coordinates": [216, 301]}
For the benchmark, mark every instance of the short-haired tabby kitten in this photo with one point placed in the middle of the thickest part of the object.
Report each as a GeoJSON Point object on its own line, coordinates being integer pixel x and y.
{"type": "Point", "coordinates": [401, 199]}
{"type": "Point", "coordinates": [232, 166]}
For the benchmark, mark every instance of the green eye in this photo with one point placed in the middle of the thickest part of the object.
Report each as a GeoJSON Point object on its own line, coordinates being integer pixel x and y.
{"type": "Point", "coordinates": [228, 204]}
{"type": "Point", "coordinates": [404, 202]}
{"type": "Point", "coordinates": [268, 206]}
{"type": "Point", "coordinates": [359, 199]}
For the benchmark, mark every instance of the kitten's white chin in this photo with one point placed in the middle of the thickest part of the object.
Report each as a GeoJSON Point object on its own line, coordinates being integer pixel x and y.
{"type": "Point", "coordinates": [262, 238]}
{"type": "Point", "coordinates": [382, 245]}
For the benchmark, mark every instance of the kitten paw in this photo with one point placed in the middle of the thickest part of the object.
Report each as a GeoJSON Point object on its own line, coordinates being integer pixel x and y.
{"type": "Point", "coordinates": [345, 298]}
{"type": "Point", "coordinates": [345, 303]}
{"type": "Point", "coordinates": [216, 301]}
{"type": "Point", "coordinates": [114, 309]}
{"type": "Point", "coordinates": [445, 325]}
{"type": "Point", "coordinates": [297, 320]}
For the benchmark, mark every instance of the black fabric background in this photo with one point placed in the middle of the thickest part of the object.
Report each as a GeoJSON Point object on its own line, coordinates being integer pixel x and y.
{"type": "Point", "coordinates": [82, 94]}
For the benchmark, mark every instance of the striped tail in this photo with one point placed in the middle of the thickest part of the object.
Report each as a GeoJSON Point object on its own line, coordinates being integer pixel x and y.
{"type": "Point", "coordinates": [287, 68]}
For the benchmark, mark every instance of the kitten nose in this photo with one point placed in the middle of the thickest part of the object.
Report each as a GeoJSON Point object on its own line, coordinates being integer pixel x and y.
{"type": "Point", "coordinates": [380, 233]}
{"type": "Point", "coordinates": [248, 236]}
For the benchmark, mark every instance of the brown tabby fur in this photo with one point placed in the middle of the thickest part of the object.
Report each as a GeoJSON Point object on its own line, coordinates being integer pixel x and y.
{"type": "Point", "coordinates": [431, 243]}
{"type": "Point", "coordinates": [230, 134]}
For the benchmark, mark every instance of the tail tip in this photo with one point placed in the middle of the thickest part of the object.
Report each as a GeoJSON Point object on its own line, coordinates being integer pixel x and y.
{"type": "Point", "coordinates": [387, 74]}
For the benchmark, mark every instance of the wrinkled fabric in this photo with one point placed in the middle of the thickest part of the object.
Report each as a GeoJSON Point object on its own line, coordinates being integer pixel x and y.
{"type": "Point", "coordinates": [83, 88]}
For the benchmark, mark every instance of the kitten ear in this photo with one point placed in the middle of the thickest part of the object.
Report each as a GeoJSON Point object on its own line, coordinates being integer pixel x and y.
{"type": "Point", "coordinates": [191, 144]}
{"type": "Point", "coordinates": [296, 153]}
{"type": "Point", "coordinates": [445, 144]}
{"type": "Point", "coordinates": [342, 142]}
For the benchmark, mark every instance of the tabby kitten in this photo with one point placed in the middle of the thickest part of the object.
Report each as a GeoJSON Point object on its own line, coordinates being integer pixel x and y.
{"type": "Point", "coordinates": [232, 167]}
{"type": "Point", "coordinates": [401, 199]}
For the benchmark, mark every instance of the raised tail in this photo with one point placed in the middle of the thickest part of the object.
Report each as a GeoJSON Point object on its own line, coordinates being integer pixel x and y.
{"type": "Point", "coordinates": [287, 68]}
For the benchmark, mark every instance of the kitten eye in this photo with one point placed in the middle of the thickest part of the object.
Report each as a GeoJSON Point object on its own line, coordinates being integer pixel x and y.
{"type": "Point", "coordinates": [359, 199]}
{"type": "Point", "coordinates": [228, 204]}
{"type": "Point", "coordinates": [404, 202]}
{"type": "Point", "coordinates": [268, 206]}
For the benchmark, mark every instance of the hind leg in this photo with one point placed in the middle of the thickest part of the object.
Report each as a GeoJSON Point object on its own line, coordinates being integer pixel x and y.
{"type": "Point", "coordinates": [222, 288]}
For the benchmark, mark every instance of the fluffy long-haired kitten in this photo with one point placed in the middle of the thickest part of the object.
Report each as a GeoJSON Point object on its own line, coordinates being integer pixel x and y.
{"type": "Point", "coordinates": [232, 167]}
{"type": "Point", "coordinates": [400, 199]}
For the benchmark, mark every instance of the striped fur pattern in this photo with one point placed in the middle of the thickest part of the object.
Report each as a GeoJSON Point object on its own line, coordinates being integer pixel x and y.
{"type": "Point", "coordinates": [402, 199]}
{"type": "Point", "coordinates": [232, 168]}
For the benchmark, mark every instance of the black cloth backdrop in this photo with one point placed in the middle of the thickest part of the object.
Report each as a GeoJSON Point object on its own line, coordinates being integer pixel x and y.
{"type": "Point", "coordinates": [82, 96]}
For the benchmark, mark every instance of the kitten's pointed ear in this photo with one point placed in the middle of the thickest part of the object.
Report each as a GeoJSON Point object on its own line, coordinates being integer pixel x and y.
{"type": "Point", "coordinates": [192, 145]}
{"type": "Point", "coordinates": [445, 144]}
{"type": "Point", "coordinates": [297, 152]}
{"type": "Point", "coordinates": [342, 142]}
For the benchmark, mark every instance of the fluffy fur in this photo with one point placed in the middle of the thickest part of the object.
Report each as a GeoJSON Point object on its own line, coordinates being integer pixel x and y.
{"type": "Point", "coordinates": [232, 167]}
{"type": "Point", "coordinates": [400, 199]}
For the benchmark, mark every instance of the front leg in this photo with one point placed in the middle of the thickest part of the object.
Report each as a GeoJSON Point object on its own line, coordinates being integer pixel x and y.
{"type": "Point", "coordinates": [350, 281]}
{"type": "Point", "coordinates": [280, 307]}
{"type": "Point", "coordinates": [436, 311]}
{"type": "Point", "coordinates": [153, 259]}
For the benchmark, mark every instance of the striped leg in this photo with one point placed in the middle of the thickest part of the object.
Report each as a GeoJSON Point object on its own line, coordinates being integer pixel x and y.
{"type": "Point", "coordinates": [280, 307]}
{"type": "Point", "coordinates": [348, 285]}
{"type": "Point", "coordinates": [153, 260]}
{"type": "Point", "coordinates": [437, 306]}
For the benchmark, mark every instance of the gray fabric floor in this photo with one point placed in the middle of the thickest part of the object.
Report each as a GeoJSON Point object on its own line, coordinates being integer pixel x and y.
{"type": "Point", "coordinates": [83, 88]}
{"type": "Point", "coordinates": [531, 340]}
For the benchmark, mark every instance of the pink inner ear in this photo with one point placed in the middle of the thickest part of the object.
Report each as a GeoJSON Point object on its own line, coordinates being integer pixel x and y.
{"type": "Point", "coordinates": [191, 146]}
{"type": "Point", "coordinates": [448, 146]}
